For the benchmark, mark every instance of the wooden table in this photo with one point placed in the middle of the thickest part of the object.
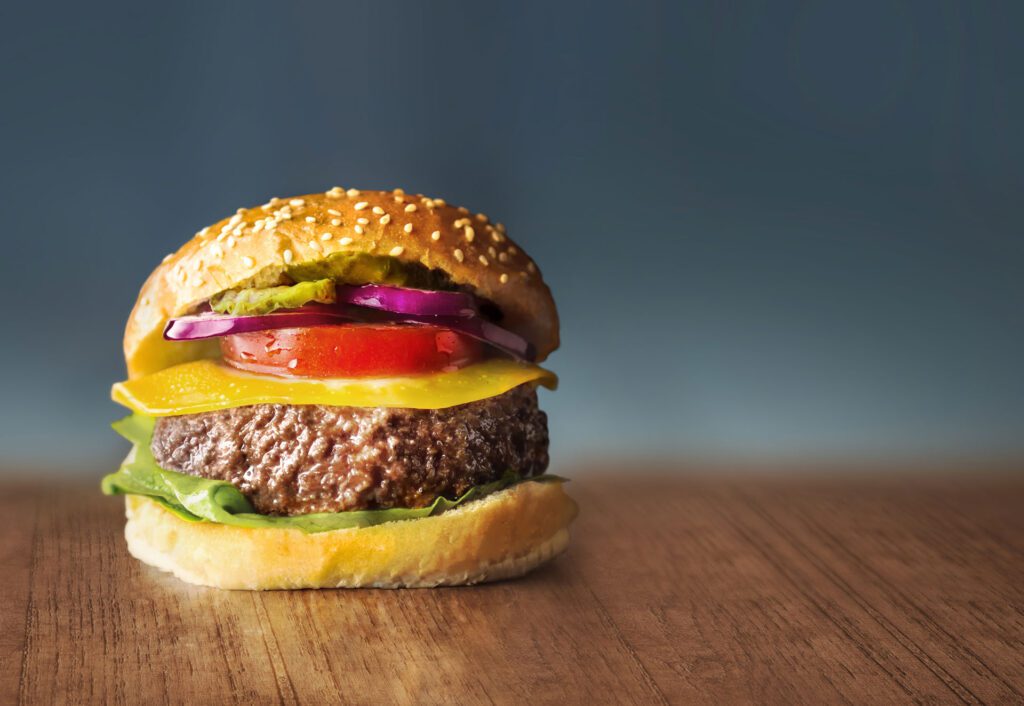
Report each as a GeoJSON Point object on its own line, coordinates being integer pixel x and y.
{"type": "Point", "coordinates": [699, 589]}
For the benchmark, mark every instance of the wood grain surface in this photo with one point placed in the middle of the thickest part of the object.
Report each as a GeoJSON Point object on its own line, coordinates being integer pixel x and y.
{"type": "Point", "coordinates": [693, 589]}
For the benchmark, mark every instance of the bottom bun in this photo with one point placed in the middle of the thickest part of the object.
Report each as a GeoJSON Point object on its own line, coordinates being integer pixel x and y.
{"type": "Point", "coordinates": [505, 534]}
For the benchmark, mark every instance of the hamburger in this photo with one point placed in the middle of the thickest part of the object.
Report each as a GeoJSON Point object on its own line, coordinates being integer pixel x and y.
{"type": "Point", "coordinates": [340, 390]}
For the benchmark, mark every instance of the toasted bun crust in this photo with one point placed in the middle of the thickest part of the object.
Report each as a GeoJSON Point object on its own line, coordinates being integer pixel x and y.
{"type": "Point", "coordinates": [503, 535]}
{"type": "Point", "coordinates": [256, 245]}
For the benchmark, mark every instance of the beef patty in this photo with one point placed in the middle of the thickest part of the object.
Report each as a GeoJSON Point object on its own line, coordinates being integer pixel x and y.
{"type": "Point", "coordinates": [298, 459]}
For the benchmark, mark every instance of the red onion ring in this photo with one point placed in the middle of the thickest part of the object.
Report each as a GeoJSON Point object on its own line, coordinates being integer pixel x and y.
{"type": "Point", "coordinates": [200, 326]}
{"type": "Point", "coordinates": [404, 300]}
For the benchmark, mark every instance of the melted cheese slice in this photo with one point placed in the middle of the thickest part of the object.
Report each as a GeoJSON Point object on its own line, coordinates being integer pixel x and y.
{"type": "Point", "coordinates": [207, 385]}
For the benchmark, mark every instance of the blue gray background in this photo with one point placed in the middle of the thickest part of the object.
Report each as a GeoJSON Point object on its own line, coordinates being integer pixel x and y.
{"type": "Point", "coordinates": [773, 229]}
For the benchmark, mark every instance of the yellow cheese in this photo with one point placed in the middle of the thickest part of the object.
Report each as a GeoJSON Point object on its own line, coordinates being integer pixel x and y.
{"type": "Point", "coordinates": [206, 385]}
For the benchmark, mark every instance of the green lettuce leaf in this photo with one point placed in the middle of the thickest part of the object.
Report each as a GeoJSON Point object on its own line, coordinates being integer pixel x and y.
{"type": "Point", "coordinates": [204, 500]}
{"type": "Point", "coordinates": [259, 301]}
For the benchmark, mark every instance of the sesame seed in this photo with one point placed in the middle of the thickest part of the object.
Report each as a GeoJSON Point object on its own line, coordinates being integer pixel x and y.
{"type": "Point", "coordinates": [436, 235]}
{"type": "Point", "coordinates": [481, 217]}
{"type": "Point", "coordinates": [503, 279]}
{"type": "Point", "coordinates": [396, 251]}
{"type": "Point", "coordinates": [512, 250]}
{"type": "Point", "coordinates": [441, 203]}
{"type": "Point", "coordinates": [500, 227]}
{"type": "Point", "coordinates": [492, 252]}
{"type": "Point", "coordinates": [293, 363]}
{"type": "Point", "coordinates": [325, 236]}
{"type": "Point", "coordinates": [462, 209]}
{"type": "Point", "coordinates": [410, 208]}
{"type": "Point", "coordinates": [310, 219]}
{"type": "Point", "coordinates": [217, 252]}
{"type": "Point", "coordinates": [258, 226]}
{"type": "Point", "coordinates": [503, 257]}
{"type": "Point", "coordinates": [230, 242]}
{"type": "Point", "coordinates": [362, 221]}
{"type": "Point", "coordinates": [345, 241]}
{"type": "Point", "coordinates": [385, 219]}
{"type": "Point", "coordinates": [470, 234]}
{"type": "Point", "coordinates": [333, 212]}
{"type": "Point", "coordinates": [204, 231]}
{"type": "Point", "coordinates": [429, 203]}
{"type": "Point", "coordinates": [398, 192]}
{"type": "Point", "coordinates": [483, 261]}
{"type": "Point", "coordinates": [352, 193]}
{"type": "Point", "coordinates": [297, 202]}
{"type": "Point", "coordinates": [199, 281]}
{"type": "Point", "coordinates": [496, 236]}
{"type": "Point", "coordinates": [399, 199]}
{"type": "Point", "coordinates": [287, 257]}
{"type": "Point", "coordinates": [334, 192]}
{"type": "Point", "coordinates": [167, 257]}
{"type": "Point", "coordinates": [313, 245]}
{"type": "Point", "coordinates": [335, 221]}
{"type": "Point", "coordinates": [378, 210]}
{"type": "Point", "coordinates": [458, 255]}
{"type": "Point", "coordinates": [407, 227]}
{"type": "Point", "coordinates": [248, 261]}
{"type": "Point", "coordinates": [358, 230]}
{"type": "Point", "coordinates": [360, 206]}
{"type": "Point", "coordinates": [531, 267]}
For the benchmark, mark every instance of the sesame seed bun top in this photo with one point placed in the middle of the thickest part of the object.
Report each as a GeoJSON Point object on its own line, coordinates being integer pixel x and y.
{"type": "Point", "coordinates": [255, 246]}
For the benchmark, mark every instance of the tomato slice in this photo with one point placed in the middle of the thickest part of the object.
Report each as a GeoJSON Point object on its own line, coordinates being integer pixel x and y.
{"type": "Point", "coordinates": [351, 350]}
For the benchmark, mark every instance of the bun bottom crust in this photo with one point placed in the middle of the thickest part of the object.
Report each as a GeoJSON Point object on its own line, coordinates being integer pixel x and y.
{"type": "Point", "coordinates": [503, 535]}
